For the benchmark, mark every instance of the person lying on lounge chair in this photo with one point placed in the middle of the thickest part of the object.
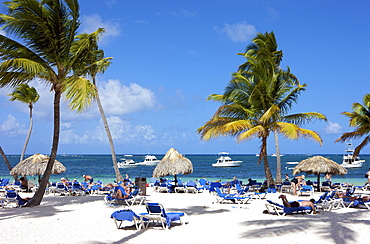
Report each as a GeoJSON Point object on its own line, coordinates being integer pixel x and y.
{"type": "Point", "coordinates": [294, 204]}
{"type": "Point", "coordinates": [120, 193]}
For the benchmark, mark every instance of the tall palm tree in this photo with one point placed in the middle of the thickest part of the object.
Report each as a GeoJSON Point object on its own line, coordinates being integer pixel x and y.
{"type": "Point", "coordinates": [45, 47]}
{"type": "Point", "coordinates": [98, 64]}
{"type": "Point", "coordinates": [29, 95]}
{"type": "Point", "coordinates": [359, 118]}
{"type": "Point", "coordinates": [264, 58]}
{"type": "Point", "coordinates": [256, 102]}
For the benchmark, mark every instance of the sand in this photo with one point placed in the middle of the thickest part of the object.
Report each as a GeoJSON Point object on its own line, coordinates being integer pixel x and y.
{"type": "Point", "coordinates": [86, 219]}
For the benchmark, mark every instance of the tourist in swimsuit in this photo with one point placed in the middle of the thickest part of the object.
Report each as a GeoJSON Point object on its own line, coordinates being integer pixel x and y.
{"type": "Point", "coordinates": [295, 204]}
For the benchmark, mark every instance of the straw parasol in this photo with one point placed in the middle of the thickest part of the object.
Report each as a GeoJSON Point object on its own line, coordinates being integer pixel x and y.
{"type": "Point", "coordinates": [319, 165]}
{"type": "Point", "coordinates": [173, 163]}
{"type": "Point", "coordinates": [36, 165]}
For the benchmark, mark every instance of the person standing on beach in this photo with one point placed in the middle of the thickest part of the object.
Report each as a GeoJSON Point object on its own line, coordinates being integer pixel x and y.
{"type": "Point", "coordinates": [296, 181]}
{"type": "Point", "coordinates": [88, 178]}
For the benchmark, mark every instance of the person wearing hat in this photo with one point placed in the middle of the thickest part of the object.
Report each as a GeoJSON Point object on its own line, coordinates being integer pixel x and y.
{"type": "Point", "coordinates": [296, 181]}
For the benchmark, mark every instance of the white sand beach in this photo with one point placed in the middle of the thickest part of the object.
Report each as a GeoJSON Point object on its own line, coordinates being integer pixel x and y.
{"type": "Point", "coordinates": [86, 219]}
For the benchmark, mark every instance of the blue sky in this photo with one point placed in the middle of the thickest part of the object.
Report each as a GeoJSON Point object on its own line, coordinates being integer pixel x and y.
{"type": "Point", "coordinates": [170, 55]}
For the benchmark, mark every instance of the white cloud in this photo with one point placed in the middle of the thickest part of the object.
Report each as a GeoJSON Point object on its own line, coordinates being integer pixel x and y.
{"type": "Point", "coordinates": [240, 32]}
{"type": "Point", "coordinates": [11, 127]}
{"type": "Point", "coordinates": [333, 128]}
{"type": "Point", "coordinates": [91, 23]}
{"type": "Point", "coordinates": [123, 131]}
{"type": "Point", "coordinates": [119, 99]}
{"type": "Point", "coordinates": [69, 137]}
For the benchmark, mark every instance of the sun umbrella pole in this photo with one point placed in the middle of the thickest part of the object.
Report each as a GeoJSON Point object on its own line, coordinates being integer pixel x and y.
{"type": "Point", "coordinates": [318, 182]}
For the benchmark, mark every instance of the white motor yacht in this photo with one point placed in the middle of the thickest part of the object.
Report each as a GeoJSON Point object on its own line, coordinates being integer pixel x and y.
{"type": "Point", "coordinates": [224, 160]}
{"type": "Point", "coordinates": [126, 162]}
{"type": "Point", "coordinates": [348, 160]}
{"type": "Point", "coordinates": [150, 160]}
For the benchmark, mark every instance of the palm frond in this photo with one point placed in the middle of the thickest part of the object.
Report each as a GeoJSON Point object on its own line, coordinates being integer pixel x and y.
{"type": "Point", "coordinates": [80, 92]}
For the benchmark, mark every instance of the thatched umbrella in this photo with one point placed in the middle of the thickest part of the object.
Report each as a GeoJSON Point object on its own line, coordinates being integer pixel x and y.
{"type": "Point", "coordinates": [319, 165]}
{"type": "Point", "coordinates": [173, 163]}
{"type": "Point", "coordinates": [36, 165]}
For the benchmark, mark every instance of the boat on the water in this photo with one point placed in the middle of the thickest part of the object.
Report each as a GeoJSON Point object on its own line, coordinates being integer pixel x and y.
{"type": "Point", "coordinates": [348, 160]}
{"type": "Point", "coordinates": [275, 155]}
{"type": "Point", "coordinates": [224, 160]}
{"type": "Point", "coordinates": [126, 162]}
{"type": "Point", "coordinates": [149, 160]}
{"type": "Point", "coordinates": [292, 162]}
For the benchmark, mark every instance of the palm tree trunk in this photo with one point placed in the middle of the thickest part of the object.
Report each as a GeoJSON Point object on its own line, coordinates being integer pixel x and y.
{"type": "Point", "coordinates": [119, 177]}
{"type": "Point", "coordinates": [7, 163]}
{"type": "Point", "coordinates": [28, 136]}
{"type": "Point", "coordinates": [269, 178]}
{"type": "Point", "coordinates": [39, 194]}
{"type": "Point", "coordinates": [278, 159]}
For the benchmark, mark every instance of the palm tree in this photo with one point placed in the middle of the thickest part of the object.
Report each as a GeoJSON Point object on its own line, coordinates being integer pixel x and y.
{"type": "Point", "coordinates": [25, 94]}
{"type": "Point", "coordinates": [98, 64]}
{"type": "Point", "coordinates": [359, 118]}
{"type": "Point", "coordinates": [45, 47]}
{"type": "Point", "coordinates": [256, 102]}
{"type": "Point", "coordinates": [263, 56]}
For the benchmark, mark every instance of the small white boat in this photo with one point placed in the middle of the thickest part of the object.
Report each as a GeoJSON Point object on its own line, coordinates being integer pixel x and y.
{"type": "Point", "coordinates": [292, 162]}
{"type": "Point", "coordinates": [150, 160]}
{"type": "Point", "coordinates": [126, 162]}
{"type": "Point", "coordinates": [224, 160]}
{"type": "Point", "coordinates": [275, 155]}
{"type": "Point", "coordinates": [348, 160]}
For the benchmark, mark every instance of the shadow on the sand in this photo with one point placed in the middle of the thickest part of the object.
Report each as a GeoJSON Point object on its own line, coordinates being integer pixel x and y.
{"type": "Point", "coordinates": [334, 228]}
{"type": "Point", "coordinates": [47, 207]}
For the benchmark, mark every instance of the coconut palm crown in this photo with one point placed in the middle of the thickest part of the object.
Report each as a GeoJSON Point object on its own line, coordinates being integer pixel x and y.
{"type": "Point", "coordinates": [40, 43]}
{"type": "Point", "coordinates": [360, 119]}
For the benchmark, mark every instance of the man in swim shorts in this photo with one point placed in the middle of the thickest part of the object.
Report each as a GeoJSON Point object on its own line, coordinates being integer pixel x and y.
{"type": "Point", "coordinates": [295, 204]}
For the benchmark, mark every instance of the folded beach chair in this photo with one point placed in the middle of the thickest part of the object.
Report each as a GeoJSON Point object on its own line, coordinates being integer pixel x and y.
{"type": "Point", "coordinates": [126, 215]}
{"type": "Point", "coordinates": [157, 213]}
{"type": "Point", "coordinates": [223, 197]}
{"type": "Point", "coordinates": [278, 209]}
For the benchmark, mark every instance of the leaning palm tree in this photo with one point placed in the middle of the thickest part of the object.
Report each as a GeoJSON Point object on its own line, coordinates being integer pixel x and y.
{"type": "Point", "coordinates": [256, 102]}
{"type": "Point", "coordinates": [44, 47]}
{"type": "Point", "coordinates": [29, 95]}
{"type": "Point", "coordinates": [98, 64]}
{"type": "Point", "coordinates": [359, 118]}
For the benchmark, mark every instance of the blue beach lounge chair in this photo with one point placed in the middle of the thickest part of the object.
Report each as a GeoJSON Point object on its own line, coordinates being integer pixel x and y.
{"type": "Point", "coordinates": [278, 209]}
{"type": "Point", "coordinates": [157, 213]}
{"type": "Point", "coordinates": [223, 197]}
{"type": "Point", "coordinates": [126, 215]}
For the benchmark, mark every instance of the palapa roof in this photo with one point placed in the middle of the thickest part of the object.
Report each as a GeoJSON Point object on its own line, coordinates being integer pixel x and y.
{"type": "Point", "coordinates": [319, 165]}
{"type": "Point", "coordinates": [173, 163]}
{"type": "Point", "coordinates": [36, 165]}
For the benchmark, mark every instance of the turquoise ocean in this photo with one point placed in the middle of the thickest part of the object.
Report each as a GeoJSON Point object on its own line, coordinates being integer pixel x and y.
{"type": "Point", "coordinates": [100, 167]}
